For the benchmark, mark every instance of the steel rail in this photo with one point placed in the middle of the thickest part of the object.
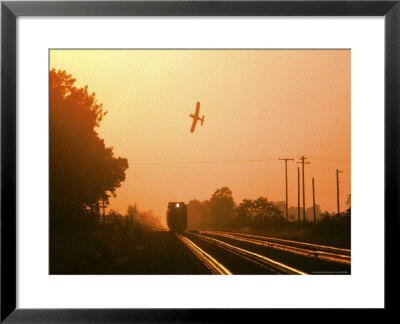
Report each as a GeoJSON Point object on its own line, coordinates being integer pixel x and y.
{"type": "Point", "coordinates": [272, 265]}
{"type": "Point", "coordinates": [316, 246]}
{"type": "Point", "coordinates": [289, 246]}
{"type": "Point", "coordinates": [211, 263]}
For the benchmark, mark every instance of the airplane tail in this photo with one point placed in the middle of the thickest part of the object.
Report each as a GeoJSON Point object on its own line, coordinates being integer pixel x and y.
{"type": "Point", "coordinates": [202, 121]}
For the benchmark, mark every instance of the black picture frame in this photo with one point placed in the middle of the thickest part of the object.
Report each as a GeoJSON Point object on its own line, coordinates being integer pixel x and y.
{"type": "Point", "coordinates": [10, 10]}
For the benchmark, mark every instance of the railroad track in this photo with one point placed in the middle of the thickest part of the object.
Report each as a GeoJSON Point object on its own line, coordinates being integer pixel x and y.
{"type": "Point", "coordinates": [211, 263]}
{"type": "Point", "coordinates": [217, 268]}
{"type": "Point", "coordinates": [322, 252]}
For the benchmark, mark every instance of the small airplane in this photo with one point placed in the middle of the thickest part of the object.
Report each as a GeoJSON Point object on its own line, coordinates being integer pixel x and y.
{"type": "Point", "coordinates": [196, 117]}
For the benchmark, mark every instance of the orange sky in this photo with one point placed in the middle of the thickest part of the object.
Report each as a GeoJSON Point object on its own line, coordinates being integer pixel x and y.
{"type": "Point", "coordinates": [258, 105]}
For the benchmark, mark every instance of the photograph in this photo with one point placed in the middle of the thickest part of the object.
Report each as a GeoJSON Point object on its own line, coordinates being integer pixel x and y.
{"type": "Point", "coordinates": [165, 161]}
{"type": "Point", "coordinates": [199, 161]}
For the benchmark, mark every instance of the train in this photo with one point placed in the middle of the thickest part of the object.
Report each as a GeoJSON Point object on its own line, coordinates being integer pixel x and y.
{"type": "Point", "coordinates": [177, 216]}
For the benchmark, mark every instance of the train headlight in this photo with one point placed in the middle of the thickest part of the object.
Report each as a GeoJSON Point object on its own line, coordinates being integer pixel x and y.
{"type": "Point", "coordinates": [177, 205]}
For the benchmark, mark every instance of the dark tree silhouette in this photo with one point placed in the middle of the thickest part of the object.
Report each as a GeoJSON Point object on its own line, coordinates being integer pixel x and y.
{"type": "Point", "coordinates": [194, 213]}
{"type": "Point", "coordinates": [222, 207]}
{"type": "Point", "coordinates": [199, 214]}
{"type": "Point", "coordinates": [348, 204]}
{"type": "Point", "coordinates": [83, 171]}
{"type": "Point", "coordinates": [244, 212]}
{"type": "Point", "coordinates": [258, 213]}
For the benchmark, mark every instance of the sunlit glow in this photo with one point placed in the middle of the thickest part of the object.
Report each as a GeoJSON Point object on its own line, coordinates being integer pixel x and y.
{"type": "Point", "coordinates": [283, 268]}
{"type": "Point", "coordinates": [335, 254]}
{"type": "Point", "coordinates": [208, 260]}
{"type": "Point", "coordinates": [263, 104]}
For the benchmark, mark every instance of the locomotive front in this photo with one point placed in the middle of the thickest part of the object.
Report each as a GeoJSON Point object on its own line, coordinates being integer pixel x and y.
{"type": "Point", "coordinates": [177, 216]}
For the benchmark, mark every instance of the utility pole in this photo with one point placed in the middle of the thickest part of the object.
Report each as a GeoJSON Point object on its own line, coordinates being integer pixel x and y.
{"type": "Point", "coordinates": [104, 210]}
{"type": "Point", "coordinates": [337, 189]}
{"type": "Point", "coordinates": [313, 199]}
{"type": "Point", "coordinates": [135, 215]}
{"type": "Point", "coordinates": [298, 194]}
{"type": "Point", "coordinates": [131, 221]}
{"type": "Point", "coordinates": [134, 221]}
{"type": "Point", "coordinates": [286, 159]}
{"type": "Point", "coordinates": [303, 161]}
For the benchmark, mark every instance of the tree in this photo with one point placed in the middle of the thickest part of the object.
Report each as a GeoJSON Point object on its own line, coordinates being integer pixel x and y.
{"type": "Point", "coordinates": [310, 213]}
{"type": "Point", "coordinates": [325, 215]}
{"type": "Point", "coordinates": [259, 212]}
{"type": "Point", "coordinates": [194, 213]}
{"type": "Point", "coordinates": [222, 207]}
{"type": "Point", "coordinates": [244, 212]}
{"type": "Point", "coordinates": [348, 204]}
{"type": "Point", "coordinates": [266, 208]}
{"type": "Point", "coordinates": [83, 171]}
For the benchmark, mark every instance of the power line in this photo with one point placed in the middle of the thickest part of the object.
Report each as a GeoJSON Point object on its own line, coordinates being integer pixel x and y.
{"type": "Point", "coordinates": [331, 160]}
{"type": "Point", "coordinates": [203, 162]}
{"type": "Point", "coordinates": [161, 162]}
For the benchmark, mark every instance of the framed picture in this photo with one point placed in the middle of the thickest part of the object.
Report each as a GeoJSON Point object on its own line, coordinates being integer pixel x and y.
{"type": "Point", "coordinates": [231, 94]}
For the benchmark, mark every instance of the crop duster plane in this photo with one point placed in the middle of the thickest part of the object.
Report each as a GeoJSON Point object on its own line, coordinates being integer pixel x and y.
{"type": "Point", "coordinates": [196, 117]}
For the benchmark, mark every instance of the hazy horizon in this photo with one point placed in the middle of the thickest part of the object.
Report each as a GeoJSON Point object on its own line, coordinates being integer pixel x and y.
{"type": "Point", "coordinates": [259, 106]}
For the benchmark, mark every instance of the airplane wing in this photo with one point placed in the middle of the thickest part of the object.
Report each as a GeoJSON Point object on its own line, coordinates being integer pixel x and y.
{"type": "Point", "coordinates": [193, 125]}
{"type": "Point", "coordinates": [197, 108]}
